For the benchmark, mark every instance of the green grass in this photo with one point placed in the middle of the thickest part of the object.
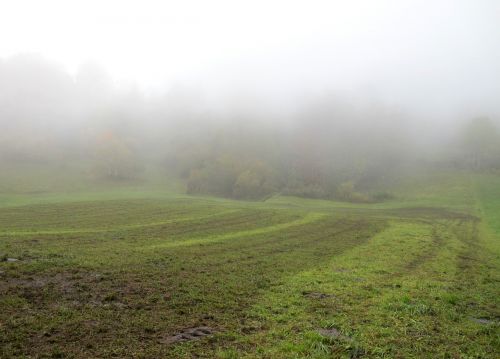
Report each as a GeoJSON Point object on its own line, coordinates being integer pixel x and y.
{"type": "Point", "coordinates": [115, 272]}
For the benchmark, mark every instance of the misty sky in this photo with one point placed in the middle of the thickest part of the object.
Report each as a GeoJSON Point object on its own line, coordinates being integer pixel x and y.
{"type": "Point", "coordinates": [440, 56]}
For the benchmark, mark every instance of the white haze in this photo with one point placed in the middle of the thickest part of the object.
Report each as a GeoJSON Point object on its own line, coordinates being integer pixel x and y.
{"type": "Point", "coordinates": [335, 99]}
{"type": "Point", "coordinates": [438, 59]}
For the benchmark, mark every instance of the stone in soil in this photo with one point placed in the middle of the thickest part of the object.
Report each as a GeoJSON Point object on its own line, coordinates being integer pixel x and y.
{"type": "Point", "coordinates": [316, 295]}
{"type": "Point", "coordinates": [188, 334]}
{"type": "Point", "coordinates": [482, 320]}
{"type": "Point", "coordinates": [333, 333]}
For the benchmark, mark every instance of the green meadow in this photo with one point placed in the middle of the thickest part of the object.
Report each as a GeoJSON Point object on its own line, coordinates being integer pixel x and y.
{"type": "Point", "coordinates": [148, 272]}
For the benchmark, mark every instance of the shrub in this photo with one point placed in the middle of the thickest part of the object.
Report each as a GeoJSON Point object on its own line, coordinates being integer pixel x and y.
{"type": "Point", "coordinates": [383, 196]}
{"type": "Point", "coordinates": [345, 190]}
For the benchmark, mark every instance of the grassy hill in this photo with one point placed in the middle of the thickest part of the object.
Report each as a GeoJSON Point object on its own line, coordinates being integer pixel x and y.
{"type": "Point", "coordinates": [141, 270]}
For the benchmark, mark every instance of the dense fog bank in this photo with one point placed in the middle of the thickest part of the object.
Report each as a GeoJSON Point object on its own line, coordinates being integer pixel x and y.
{"type": "Point", "coordinates": [327, 145]}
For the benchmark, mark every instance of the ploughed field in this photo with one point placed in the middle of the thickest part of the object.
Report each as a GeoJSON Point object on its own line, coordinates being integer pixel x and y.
{"type": "Point", "coordinates": [181, 277]}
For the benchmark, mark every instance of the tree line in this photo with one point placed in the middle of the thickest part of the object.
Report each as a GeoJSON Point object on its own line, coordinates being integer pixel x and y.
{"type": "Point", "coordinates": [328, 148]}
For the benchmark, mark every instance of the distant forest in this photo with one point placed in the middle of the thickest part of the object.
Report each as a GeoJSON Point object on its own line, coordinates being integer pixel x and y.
{"type": "Point", "coordinates": [329, 148]}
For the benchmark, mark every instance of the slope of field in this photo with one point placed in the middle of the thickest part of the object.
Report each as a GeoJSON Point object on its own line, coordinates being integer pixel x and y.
{"type": "Point", "coordinates": [151, 275]}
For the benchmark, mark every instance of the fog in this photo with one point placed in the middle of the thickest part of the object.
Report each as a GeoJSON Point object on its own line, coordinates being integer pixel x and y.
{"type": "Point", "coordinates": [327, 99]}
